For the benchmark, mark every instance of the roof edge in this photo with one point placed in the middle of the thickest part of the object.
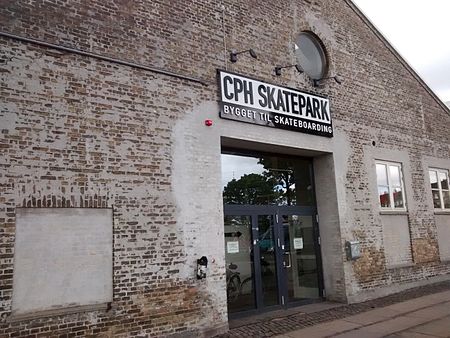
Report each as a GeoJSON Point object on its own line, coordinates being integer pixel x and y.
{"type": "Point", "coordinates": [397, 55]}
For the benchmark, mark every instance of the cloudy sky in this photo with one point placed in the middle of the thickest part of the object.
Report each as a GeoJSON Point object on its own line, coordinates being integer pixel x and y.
{"type": "Point", "coordinates": [420, 32]}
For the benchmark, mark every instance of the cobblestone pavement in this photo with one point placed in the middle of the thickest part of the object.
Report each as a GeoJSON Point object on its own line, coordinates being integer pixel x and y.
{"type": "Point", "coordinates": [283, 324]}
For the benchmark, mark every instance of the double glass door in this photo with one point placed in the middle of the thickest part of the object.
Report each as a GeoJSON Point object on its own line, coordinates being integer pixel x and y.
{"type": "Point", "coordinates": [272, 257]}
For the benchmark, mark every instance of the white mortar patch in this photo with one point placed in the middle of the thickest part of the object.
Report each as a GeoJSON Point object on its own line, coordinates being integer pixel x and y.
{"type": "Point", "coordinates": [63, 257]}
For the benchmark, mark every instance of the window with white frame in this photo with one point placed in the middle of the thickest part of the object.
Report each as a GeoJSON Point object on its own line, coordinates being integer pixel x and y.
{"type": "Point", "coordinates": [440, 188]}
{"type": "Point", "coordinates": [390, 185]}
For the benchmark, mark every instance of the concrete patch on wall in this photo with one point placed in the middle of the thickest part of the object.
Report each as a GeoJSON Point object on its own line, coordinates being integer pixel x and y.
{"type": "Point", "coordinates": [197, 194]}
{"type": "Point", "coordinates": [397, 241]}
{"type": "Point", "coordinates": [8, 116]}
{"type": "Point", "coordinates": [63, 258]}
{"type": "Point", "coordinates": [330, 234]}
{"type": "Point", "coordinates": [443, 231]}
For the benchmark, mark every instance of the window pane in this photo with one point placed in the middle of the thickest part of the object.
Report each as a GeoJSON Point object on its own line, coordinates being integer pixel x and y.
{"type": "Point", "coordinates": [433, 179]}
{"type": "Point", "coordinates": [436, 199]}
{"type": "Point", "coordinates": [446, 195]}
{"type": "Point", "coordinates": [444, 180]}
{"type": "Point", "coordinates": [383, 192]}
{"type": "Point", "coordinates": [398, 198]}
{"type": "Point", "coordinates": [381, 174]}
{"type": "Point", "coordinates": [394, 175]}
{"type": "Point", "coordinates": [310, 56]}
{"type": "Point", "coordinates": [267, 243]}
{"type": "Point", "coordinates": [266, 179]}
{"type": "Point", "coordinates": [239, 263]}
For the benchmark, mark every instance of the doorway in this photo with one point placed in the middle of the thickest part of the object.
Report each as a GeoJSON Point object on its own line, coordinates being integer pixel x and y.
{"type": "Point", "coordinates": [272, 242]}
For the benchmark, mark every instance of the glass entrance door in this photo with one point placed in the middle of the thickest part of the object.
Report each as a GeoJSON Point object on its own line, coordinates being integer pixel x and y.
{"type": "Point", "coordinates": [300, 259]}
{"type": "Point", "coordinates": [271, 237]}
{"type": "Point", "coordinates": [252, 258]}
{"type": "Point", "coordinates": [267, 247]}
{"type": "Point", "coordinates": [272, 258]}
{"type": "Point", "coordinates": [239, 259]}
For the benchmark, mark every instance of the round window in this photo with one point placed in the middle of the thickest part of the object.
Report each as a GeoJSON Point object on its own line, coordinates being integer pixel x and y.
{"type": "Point", "coordinates": [311, 55]}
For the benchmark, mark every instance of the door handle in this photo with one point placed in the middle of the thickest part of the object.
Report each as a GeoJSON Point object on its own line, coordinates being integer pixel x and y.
{"type": "Point", "coordinates": [289, 260]}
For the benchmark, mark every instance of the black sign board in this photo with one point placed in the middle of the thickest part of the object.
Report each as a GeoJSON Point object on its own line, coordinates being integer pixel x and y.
{"type": "Point", "coordinates": [252, 101]}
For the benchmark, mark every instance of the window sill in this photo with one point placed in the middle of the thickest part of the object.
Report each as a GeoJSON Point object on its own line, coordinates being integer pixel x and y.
{"type": "Point", "coordinates": [58, 312]}
{"type": "Point", "coordinates": [442, 212]}
{"type": "Point", "coordinates": [393, 212]}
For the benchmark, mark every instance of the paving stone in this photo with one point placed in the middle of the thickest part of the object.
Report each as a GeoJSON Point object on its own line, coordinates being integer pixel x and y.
{"type": "Point", "coordinates": [372, 316]}
{"type": "Point", "coordinates": [435, 312]}
{"type": "Point", "coordinates": [392, 326]}
{"type": "Point", "coordinates": [324, 330]}
{"type": "Point", "coordinates": [409, 334]}
{"type": "Point", "coordinates": [437, 328]}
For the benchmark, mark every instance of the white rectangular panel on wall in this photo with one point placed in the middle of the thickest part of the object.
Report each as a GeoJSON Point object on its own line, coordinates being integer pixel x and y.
{"type": "Point", "coordinates": [443, 235]}
{"type": "Point", "coordinates": [397, 240]}
{"type": "Point", "coordinates": [63, 258]}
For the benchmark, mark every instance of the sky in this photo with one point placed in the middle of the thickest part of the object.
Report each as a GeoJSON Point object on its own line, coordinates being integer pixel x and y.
{"type": "Point", "coordinates": [420, 31]}
{"type": "Point", "coordinates": [237, 166]}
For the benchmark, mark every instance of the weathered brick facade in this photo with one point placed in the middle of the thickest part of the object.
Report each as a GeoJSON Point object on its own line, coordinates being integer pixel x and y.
{"type": "Point", "coordinates": [80, 131]}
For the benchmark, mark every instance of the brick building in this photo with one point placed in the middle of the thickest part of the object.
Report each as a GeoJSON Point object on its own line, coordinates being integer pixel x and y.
{"type": "Point", "coordinates": [117, 173]}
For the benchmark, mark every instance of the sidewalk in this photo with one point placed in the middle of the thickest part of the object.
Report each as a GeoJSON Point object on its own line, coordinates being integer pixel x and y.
{"type": "Point", "coordinates": [419, 312]}
{"type": "Point", "coordinates": [427, 316]}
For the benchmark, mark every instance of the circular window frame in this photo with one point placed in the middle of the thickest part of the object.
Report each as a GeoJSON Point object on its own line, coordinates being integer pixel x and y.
{"type": "Point", "coordinates": [322, 51]}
